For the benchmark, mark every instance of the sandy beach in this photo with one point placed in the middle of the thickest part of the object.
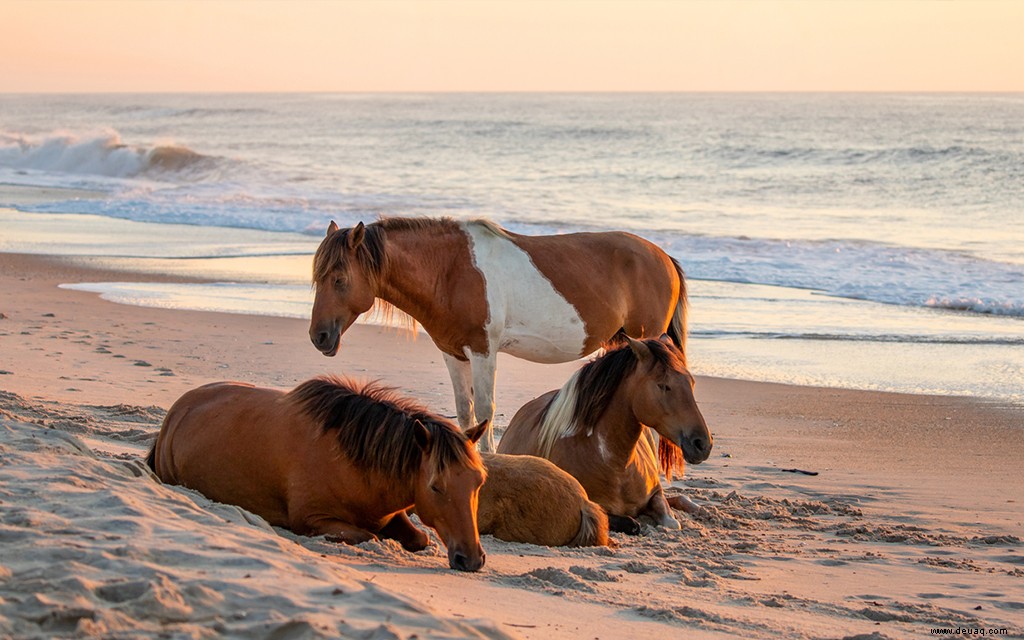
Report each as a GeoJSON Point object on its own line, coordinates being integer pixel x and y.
{"type": "Point", "coordinates": [913, 522]}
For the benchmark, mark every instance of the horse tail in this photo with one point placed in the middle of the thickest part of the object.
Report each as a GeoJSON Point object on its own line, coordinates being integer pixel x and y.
{"type": "Point", "coordinates": [669, 455]}
{"type": "Point", "coordinates": [677, 326]}
{"type": "Point", "coordinates": [593, 527]}
{"type": "Point", "coordinates": [151, 458]}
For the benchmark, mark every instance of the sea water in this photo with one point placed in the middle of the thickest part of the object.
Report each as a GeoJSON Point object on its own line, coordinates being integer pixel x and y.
{"type": "Point", "coordinates": [861, 240]}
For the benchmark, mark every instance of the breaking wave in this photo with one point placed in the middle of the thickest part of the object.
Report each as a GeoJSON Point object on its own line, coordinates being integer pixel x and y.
{"type": "Point", "coordinates": [101, 154]}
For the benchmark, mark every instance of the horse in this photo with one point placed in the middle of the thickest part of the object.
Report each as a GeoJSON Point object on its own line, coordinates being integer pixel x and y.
{"type": "Point", "coordinates": [529, 499]}
{"type": "Point", "coordinates": [596, 428]}
{"type": "Point", "coordinates": [331, 457]}
{"type": "Point", "coordinates": [477, 289]}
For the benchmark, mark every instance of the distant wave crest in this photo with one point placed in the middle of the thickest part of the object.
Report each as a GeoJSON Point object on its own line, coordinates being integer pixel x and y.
{"type": "Point", "coordinates": [99, 154]}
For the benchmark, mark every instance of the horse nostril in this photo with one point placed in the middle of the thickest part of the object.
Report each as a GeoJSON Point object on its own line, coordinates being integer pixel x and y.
{"type": "Point", "coordinates": [460, 561]}
{"type": "Point", "coordinates": [321, 338]}
{"type": "Point", "coordinates": [698, 444]}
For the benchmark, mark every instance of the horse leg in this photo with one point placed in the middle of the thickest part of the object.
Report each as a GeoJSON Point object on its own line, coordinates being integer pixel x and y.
{"type": "Point", "coordinates": [401, 528]}
{"type": "Point", "coordinates": [684, 504]}
{"type": "Point", "coordinates": [339, 531]}
{"type": "Point", "coordinates": [462, 383]}
{"type": "Point", "coordinates": [484, 369]}
{"type": "Point", "coordinates": [658, 509]}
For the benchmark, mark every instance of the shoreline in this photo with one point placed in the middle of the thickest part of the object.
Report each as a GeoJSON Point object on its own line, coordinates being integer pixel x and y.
{"type": "Point", "coordinates": [754, 332]}
{"type": "Point", "coordinates": [913, 492]}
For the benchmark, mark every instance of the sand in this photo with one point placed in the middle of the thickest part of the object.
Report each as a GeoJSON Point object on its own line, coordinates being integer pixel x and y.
{"type": "Point", "coordinates": [913, 522]}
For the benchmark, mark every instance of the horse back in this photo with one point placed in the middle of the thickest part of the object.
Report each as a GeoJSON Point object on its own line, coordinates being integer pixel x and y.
{"type": "Point", "coordinates": [233, 443]}
{"type": "Point", "coordinates": [614, 280]}
{"type": "Point", "coordinates": [529, 499]}
{"type": "Point", "coordinates": [521, 437]}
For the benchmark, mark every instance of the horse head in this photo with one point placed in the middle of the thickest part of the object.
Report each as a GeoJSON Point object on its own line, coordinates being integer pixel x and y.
{"type": "Point", "coordinates": [344, 285]}
{"type": "Point", "coordinates": [662, 398]}
{"type": "Point", "coordinates": [447, 496]}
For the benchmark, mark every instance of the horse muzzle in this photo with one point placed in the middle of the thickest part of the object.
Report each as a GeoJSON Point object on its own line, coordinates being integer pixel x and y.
{"type": "Point", "coordinates": [326, 341]}
{"type": "Point", "coordinates": [696, 449]}
{"type": "Point", "coordinates": [462, 562]}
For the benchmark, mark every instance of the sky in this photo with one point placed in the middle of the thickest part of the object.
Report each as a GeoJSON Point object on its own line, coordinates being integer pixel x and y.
{"type": "Point", "coordinates": [522, 45]}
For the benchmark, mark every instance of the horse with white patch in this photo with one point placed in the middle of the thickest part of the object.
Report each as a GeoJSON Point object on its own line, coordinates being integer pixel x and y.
{"type": "Point", "coordinates": [478, 289]}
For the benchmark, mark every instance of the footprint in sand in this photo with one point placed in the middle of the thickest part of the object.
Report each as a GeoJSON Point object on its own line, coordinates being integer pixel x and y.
{"type": "Point", "coordinates": [553, 577]}
{"type": "Point", "coordinates": [635, 566]}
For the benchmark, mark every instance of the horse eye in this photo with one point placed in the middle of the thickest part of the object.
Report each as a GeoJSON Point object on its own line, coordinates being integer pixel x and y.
{"type": "Point", "coordinates": [339, 283]}
{"type": "Point", "coordinates": [664, 387]}
{"type": "Point", "coordinates": [436, 489]}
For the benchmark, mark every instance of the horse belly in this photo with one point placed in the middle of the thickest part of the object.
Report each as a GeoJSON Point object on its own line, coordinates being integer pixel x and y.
{"type": "Point", "coordinates": [223, 446]}
{"type": "Point", "coordinates": [548, 344]}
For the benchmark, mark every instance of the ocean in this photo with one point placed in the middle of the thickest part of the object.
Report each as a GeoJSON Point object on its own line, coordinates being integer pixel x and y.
{"type": "Point", "coordinates": [870, 241]}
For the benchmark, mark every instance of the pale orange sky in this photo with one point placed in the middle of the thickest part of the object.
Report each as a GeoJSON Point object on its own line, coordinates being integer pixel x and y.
{"type": "Point", "coordinates": [399, 45]}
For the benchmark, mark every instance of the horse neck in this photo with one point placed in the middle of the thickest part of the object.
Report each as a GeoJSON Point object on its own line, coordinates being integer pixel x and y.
{"type": "Point", "coordinates": [618, 427]}
{"type": "Point", "coordinates": [418, 260]}
{"type": "Point", "coordinates": [395, 491]}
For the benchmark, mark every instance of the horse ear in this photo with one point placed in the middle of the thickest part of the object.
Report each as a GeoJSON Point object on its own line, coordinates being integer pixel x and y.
{"type": "Point", "coordinates": [642, 351]}
{"type": "Point", "coordinates": [477, 432]}
{"type": "Point", "coordinates": [356, 235]}
{"type": "Point", "coordinates": [667, 339]}
{"type": "Point", "coordinates": [422, 437]}
{"type": "Point", "coordinates": [332, 228]}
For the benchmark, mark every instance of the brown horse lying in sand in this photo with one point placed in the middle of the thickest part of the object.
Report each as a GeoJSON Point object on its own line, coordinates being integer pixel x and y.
{"type": "Point", "coordinates": [529, 499]}
{"type": "Point", "coordinates": [594, 428]}
{"type": "Point", "coordinates": [329, 458]}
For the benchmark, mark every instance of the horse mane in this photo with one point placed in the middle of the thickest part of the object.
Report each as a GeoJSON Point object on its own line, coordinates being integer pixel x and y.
{"type": "Point", "coordinates": [372, 251]}
{"type": "Point", "coordinates": [374, 427]}
{"type": "Point", "coordinates": [491, 226]}
{"type": "Point", "coordinates": [584, 398]}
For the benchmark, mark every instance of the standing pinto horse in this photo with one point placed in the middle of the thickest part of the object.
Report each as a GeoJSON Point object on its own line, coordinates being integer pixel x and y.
{"type": "Point", "coordinates": [478, 289]}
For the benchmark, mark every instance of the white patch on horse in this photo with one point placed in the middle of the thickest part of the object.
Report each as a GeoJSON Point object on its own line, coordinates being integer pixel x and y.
{"type": "Point", "coordinates": [527, 317]}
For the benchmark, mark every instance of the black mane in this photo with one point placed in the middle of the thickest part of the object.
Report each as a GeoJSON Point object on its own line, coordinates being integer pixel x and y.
{"type": "Point", "coordinates": [374, 426]}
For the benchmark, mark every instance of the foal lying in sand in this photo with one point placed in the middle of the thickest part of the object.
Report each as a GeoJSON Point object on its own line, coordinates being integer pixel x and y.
{"type": "Point", "coordinates": [329, 458]}
{"type": "Point", "coordinates": [529, 499]}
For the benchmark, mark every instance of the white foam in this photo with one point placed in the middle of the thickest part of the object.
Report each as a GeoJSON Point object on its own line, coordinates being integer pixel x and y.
{"type": "Point", "coordinates": [62, 158]}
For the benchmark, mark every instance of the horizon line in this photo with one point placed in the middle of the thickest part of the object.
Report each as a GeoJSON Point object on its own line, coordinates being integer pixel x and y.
{"type": "Point", "coordinates": [512, 91]}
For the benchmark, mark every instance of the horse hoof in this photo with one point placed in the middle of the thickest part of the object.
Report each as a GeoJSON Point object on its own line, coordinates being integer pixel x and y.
{"type": "Point", "coordinates": [624, 524]}
{"type": "Point", "coordinates": [669, 522]}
